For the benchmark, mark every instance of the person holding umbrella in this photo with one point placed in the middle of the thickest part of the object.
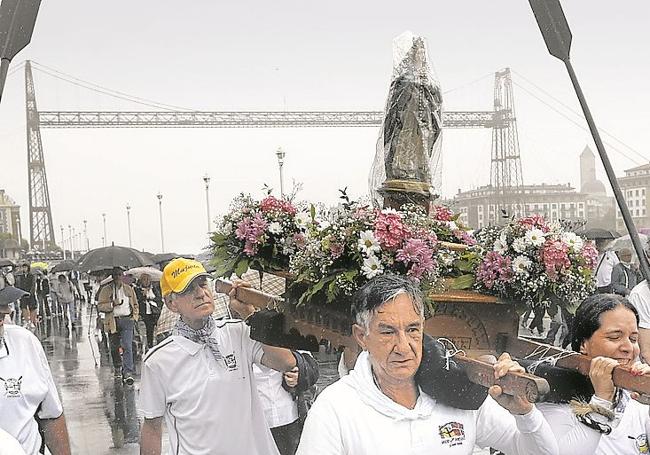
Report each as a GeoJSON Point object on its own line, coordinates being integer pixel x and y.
{"type": "Point", "coordinates": [120, 304]}
{"type": "Point", "coordinates": [150, 300]}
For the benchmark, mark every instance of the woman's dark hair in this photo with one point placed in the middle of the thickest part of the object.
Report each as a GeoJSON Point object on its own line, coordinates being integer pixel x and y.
{"type": "Point", "coordinates": [587, 318]}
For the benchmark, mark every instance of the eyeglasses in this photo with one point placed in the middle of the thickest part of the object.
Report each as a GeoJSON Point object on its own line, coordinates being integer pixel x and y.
{"type": "Point", "coordinates": [202, 283]}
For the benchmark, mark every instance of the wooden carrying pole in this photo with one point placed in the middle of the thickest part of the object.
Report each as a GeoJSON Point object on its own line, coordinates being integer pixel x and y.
{"type": "Point", "coordinates": [622, 376]}
{"type": "Point", "coordinates": [478, 372]}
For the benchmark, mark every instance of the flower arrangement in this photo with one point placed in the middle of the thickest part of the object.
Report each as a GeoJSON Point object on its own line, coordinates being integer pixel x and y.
{"type": "Point", "coordinates": [355, 242]}
{"type": "Point", "coordinates": [258, 234]}
{"type": "Point", "coordinates": [448, 226]}
{"type": "Point", "coordinates": [535, 262]}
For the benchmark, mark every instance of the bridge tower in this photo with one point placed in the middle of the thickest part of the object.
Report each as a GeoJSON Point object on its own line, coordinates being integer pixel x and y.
{"type": "Point", "coordinates": [505, 170]}
{"type": "Point", "coordinates": [40, 213]}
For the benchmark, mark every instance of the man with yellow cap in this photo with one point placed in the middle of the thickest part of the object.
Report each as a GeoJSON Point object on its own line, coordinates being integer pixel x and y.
{"type": "Point", "coordinates": [200, 380]}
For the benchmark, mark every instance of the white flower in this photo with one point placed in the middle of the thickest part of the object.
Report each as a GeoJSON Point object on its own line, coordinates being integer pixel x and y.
{"type": "Point", "coordinates": [521, 264]}
{"type": "Point", "coordinates": [226, 229]}
{"type": "Point", "coordinates": [371, 267]}
{"type": "Point", "coordinates": [452, 225]}
{"type": "Point", "coordinates": [323, 225]}
{"type": "Point", "coordinates": [275, 228]}
{"type": "Point", "coordinates": [535, 237]}
{"type": "Point", "coordinates": [368, 244]}
{"type": "Point", "coordinates": [389, 211]}
{"type": "Point", "coordinates": [499, 246]}
{"type": "Point", "coordinates": [574, 241]}
{"type": "Point", "coordinates": [302, 218]}
{"type": "Point", "coordinates": [519, 245]}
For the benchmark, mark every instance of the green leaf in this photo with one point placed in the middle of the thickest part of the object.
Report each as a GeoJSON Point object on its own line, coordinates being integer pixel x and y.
{"type": "Point", "coordinates": [463, 265]}
{"type": "Point", "coordinates": [312, 212]}
{"type": "Point", "coordinates": [241, 267]}
{"type": "Point", "coordinates": [462, 282]}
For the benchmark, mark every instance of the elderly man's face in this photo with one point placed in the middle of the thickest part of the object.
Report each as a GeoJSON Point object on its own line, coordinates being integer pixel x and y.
{"type": "Point", "coordinates": [394, 340]}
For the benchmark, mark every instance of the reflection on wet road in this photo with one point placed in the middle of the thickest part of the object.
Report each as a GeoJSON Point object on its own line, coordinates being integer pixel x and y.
{"type": "Point", "coordinates": [101, 413]}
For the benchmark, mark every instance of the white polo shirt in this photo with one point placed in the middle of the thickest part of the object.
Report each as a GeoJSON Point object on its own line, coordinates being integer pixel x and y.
{"type": "Point", "coordinates": [353, 417]}
{"type": "Point", "coordinates": [26, 387]}
{"type": "Point", "coordinates": [9, 445]}
{"type": "Point", "coordinates": [278, 404]}
{"type": "Point", "coordinates": [209, 406]}
{"type": "Point", "coordinates": [640, 297]}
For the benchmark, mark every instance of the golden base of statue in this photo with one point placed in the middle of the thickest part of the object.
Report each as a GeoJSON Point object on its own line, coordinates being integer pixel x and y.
{"type": "Point", "coordinates": [396, 193]}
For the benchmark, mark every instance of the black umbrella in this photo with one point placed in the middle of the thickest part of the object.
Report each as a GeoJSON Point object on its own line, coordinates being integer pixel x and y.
{"type": "Point", "coordinates": [108, 257]}
{"type": "Point", "coordinates": [599, 234]}
{"type": "Point", "coordinates": [166, 257]}
{"type": "Point", "coordinates": [11, 294]}
{"type": "Point", "coordinates": [64, 266]}
{"type": "Point", "coordinates": [7, 263]}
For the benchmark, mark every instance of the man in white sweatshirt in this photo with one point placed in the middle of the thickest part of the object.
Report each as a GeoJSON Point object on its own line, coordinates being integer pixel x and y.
{"type": "Point", "coordinates": [378, 408]}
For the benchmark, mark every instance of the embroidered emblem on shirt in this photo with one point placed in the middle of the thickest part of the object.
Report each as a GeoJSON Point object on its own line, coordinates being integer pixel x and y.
{"type": "Point", "coordinates": [452, 433]}
{"type": "Point", "coordinates": [12, 387]}
{"type": "Point", "coordinates": [231, 362]}
{"type": "Point", "coordinates": [642, 443]}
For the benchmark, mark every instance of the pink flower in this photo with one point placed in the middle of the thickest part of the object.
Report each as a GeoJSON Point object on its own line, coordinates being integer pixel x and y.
{"type": "Point", "coordinates": [495, 268]}
{"type": "Point", "coordinates": [555, 255]}
{"type": "Point", "coordinates": [534, 221]}
{"type": "Point", "coordinates": [417, 253]}
{"type": "Point", "coordinates": [251, 231]}
{"type": "Point", "coordinates": [590, 255]}
{"type": "Point", "coordinates": [465, 237]}
{"type": "Point", "coordinates": [336, 250]}
{"type": "Point", "coordinates": [390, 230]}
{"type": "Point", "coordinates": [299, 240]}
{"type": "Point", "coordinates": [271, 203]}
{"type": "Point", "coordinates": [441, 213]}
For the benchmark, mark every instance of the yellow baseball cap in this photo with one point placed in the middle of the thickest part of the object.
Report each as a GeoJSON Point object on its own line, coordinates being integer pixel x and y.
{"type": "Point", "coordinates": [179, 273]}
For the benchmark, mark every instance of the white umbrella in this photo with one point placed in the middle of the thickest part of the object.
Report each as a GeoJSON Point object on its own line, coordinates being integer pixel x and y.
{"type": "Point", "coordinates": [137, 272]}
{"type": "Point", "coordinates": [626, 242]}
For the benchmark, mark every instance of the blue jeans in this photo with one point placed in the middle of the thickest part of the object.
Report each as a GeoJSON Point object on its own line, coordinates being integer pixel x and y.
{"type": "Point", "coordinates": [125, 333]}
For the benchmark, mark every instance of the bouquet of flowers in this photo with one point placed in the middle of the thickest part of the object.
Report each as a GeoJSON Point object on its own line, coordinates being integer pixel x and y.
{"type": "Point", "coordinates": [535, 262]}
{"type": "Point", "coordinates": [258, 234]}
{"type": "Point", "coordinates": [448, 226]}
{"type": "Point", "coordinates": [355, 242]}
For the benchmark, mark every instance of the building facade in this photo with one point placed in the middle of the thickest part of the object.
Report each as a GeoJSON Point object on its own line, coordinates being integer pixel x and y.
{"type": "Point", "coordinates": [635, 185]}
{"type": "Point", "coordinates": [590, 205]}
{"type": "Point", "coordinates": [9, 216]}
{"type": "Point", "coordinates": [479, 207]}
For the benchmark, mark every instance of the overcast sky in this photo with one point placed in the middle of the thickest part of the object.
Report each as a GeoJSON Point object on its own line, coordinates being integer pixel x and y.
{"type": "Point", "coordinates": [295, 55]}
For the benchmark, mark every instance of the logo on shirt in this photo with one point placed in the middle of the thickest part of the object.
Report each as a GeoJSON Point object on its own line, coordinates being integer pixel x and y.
{"type": "Point", "coordinates": [642, 443]}
{"type": "Point", "coordinates": [12, 387]}
{"type": "Point", "coordinates": [231, 362]}
{"type": "Point", "coordinates": [452, 433]}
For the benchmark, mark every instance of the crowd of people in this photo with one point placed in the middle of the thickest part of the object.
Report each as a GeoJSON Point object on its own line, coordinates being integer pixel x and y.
{"type": "Point", "coordinates": [218, 387]}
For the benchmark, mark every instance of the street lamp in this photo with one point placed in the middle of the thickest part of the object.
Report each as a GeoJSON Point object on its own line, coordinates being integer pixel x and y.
{"type": "Point", "coordinates": [86, 235]}
{"type": "Point", "coordinates": [206, 179]}
{"type": "Point", "coordinates": [281, 154]}
{"type": "Point", "coordinates": [71, 243]}
{"type": "Point", "coordinates": [104, 238]}
{"type": "Point", "coordinates": [162, 237]}
{"type": "Point", "coordinates": [63, 242]}
{"type": "Point", "coordinates": [128, 220]}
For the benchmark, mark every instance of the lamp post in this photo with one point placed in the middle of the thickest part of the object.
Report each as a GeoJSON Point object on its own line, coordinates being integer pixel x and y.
{"type": "Point", "coordinates": [162, 237]}
{"type": "Point", "coordinates": [206, 179]}
{"type": "Point", "coordinates": [281, 154]}
{"type": "Point", "coordinates": [104, 238]}
{"type": "Point", "coordinates": [128, 220]}
{"type": "Point", "coordinates": [63, 243]}
{"type": "Point", "coordinates": [71, 242]}
{"type": "Point", "coordinates": [86, 235]}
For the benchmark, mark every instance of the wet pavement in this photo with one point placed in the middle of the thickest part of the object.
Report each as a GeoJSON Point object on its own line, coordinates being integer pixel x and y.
{"type": "Point", "coordinates": [102, 414]}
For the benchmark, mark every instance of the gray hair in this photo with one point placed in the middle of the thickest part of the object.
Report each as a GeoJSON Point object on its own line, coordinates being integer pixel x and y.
{"type": "Point", "coordinates": [380, 290]}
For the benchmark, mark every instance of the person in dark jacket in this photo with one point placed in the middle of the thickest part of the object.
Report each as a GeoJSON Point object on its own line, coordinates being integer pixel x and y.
{"type": "Point", "coordinates": [624, 274]}
{"type": "Point", "coordinates": [42, 291]}
{"type": "Point", "coordinates": [25, 281]}
{"type": "Point", "coordinates": [150, 301]}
